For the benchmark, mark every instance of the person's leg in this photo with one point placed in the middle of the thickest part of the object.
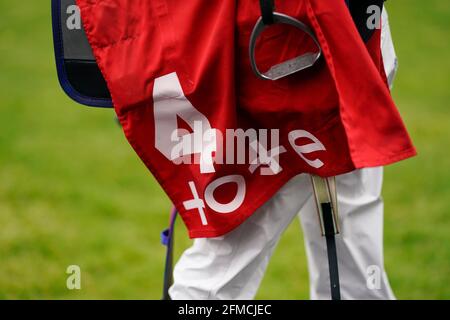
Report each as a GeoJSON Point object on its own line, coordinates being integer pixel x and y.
{"type": "Point", "coordinates": [359, 244]}
{"type": "Point", "coordinates": [232, 266]}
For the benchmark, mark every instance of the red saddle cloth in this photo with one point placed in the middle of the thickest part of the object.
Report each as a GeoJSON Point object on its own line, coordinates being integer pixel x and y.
{"type": "Point", "coordinates": [219, 140]}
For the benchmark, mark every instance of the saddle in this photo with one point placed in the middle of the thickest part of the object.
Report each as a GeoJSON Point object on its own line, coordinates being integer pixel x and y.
{"type": "Point", "coordinates": [79, 74]}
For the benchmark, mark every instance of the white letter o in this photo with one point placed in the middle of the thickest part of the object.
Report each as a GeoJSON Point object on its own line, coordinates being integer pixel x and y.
{"type": "Point", "coordinates": [235, 203]}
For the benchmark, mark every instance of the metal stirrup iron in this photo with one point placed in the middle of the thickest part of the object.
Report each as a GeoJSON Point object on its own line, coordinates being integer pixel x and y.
{"type": "Point", "coordinates": [281, 70]}
{"type": "Point", "coordinates": [326, 200]}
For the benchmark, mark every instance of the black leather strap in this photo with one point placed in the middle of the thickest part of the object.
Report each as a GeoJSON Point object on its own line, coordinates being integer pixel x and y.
{"type": "Point", "coordinates": [267, 8]}
{"type": "Point", "coordinates": [331, 251]}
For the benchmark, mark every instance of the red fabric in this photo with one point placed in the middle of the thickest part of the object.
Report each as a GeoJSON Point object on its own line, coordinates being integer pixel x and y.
{"type": "Point", "coordinates": [343, 101]}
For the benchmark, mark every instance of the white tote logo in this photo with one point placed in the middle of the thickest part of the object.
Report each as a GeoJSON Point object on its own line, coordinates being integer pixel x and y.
{"type": "Point", "coordinates": [178, 145]}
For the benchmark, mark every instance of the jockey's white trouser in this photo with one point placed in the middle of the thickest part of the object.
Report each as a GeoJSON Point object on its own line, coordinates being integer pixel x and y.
{"type": "Point", "coordinates": [232, 266]}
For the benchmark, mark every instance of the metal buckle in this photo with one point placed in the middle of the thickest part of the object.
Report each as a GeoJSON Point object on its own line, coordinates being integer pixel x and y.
{"type": "Point", "coordinates": [325, 193]}
{"type": "Point", "coordinates": [288, 67]}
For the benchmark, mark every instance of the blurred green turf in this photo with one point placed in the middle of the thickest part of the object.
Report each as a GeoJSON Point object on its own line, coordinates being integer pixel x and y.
{"type": "Point", "coordinates": [72, 191]}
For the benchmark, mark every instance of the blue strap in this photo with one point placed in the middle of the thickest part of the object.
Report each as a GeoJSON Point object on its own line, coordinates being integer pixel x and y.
{"type": "Point", "coordinates": [165, 237]}
{"type": "Point", "coordinates": [267, 8]}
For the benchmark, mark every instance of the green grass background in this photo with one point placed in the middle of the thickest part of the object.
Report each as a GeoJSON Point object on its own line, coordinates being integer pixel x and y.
{"type": "Point", "coordinates": [72, 191]}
